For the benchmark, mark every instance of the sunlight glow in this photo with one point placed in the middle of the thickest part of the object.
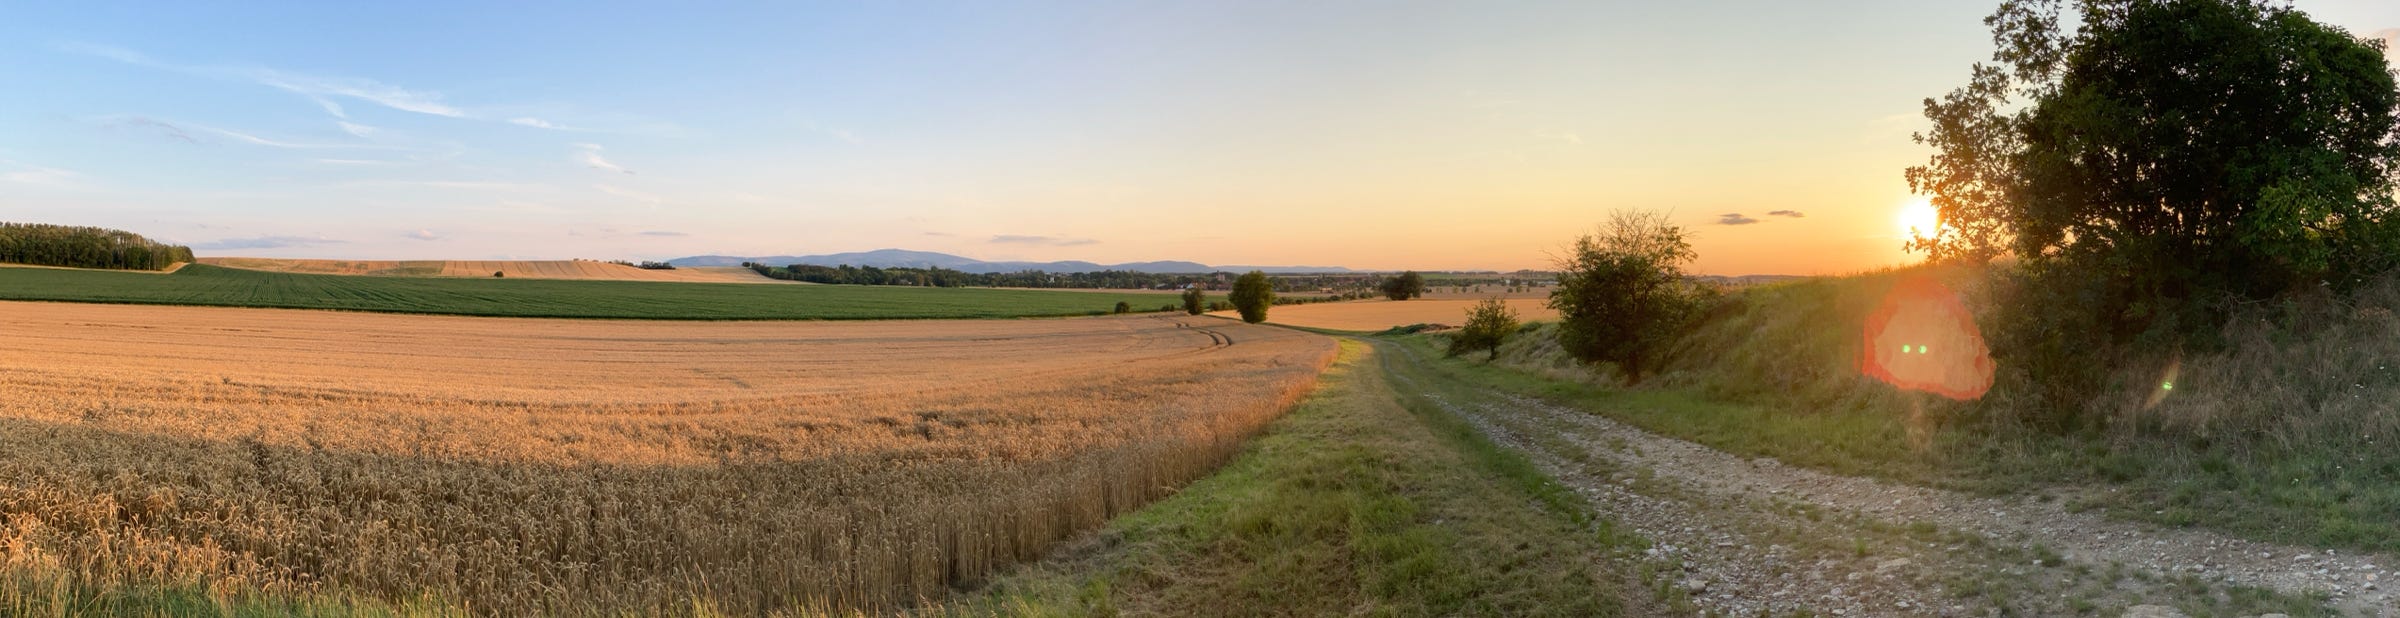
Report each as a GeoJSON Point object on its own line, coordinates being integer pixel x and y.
{"type": "Point", "coordinates": [1917, 218]}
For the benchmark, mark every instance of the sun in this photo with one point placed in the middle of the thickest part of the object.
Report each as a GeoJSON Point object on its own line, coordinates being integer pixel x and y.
{"type": "Point", "coordinates": [1918, 218]}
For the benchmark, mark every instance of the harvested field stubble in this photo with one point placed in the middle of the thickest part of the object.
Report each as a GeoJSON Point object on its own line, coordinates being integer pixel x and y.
{"type": "Point", "coordinates": [599, 467]}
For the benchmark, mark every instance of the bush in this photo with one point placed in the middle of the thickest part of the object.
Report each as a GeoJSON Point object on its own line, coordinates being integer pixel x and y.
{"type": "Point", "coordinates": [1252, 294]}
{"type": "Point", "coordinates": [497, 273]}
{"type": "Point", "coordinates": [1489, 323]}
{"type": "Point", "coordinates": [1195, 302]}
{"type": "Point", "coordinates": [1621, 294]}
{"type": "Point", "coordinates": [1124, 307]}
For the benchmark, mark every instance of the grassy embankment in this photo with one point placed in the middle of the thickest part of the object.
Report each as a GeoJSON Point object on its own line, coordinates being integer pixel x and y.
{"type": "Point", "coordinates": [201, 284]}
{"type": "Point", "coordinates": [2284, 434]}
{"type": "Point", "coordinates": [1353, 504]}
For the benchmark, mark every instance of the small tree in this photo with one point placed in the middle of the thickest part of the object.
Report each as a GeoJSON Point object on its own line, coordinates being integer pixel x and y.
{"type": "Point", "coordinates": [1195, 302]}
{"type": "Point", "coordinates": [1252, 294]}
{"type": "Point", "coordinates": [1404, 286]}
{"type": "Point", "coordinates": [1621, 294]}
{"type": "Point", "coordinates": [1489, 323]}
{"type": "Point", "coordinates": [1124, 307]}
{"type": "Point", "coordinates": [499, 273]}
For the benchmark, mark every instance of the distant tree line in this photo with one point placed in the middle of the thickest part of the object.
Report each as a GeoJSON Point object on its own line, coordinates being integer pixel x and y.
{"type": "Point", "coordinates": [645, 265]}
{"type": "Point", "coordinates": [1339, 286]}
{"type": "Point", "coordinates": [85, 247]}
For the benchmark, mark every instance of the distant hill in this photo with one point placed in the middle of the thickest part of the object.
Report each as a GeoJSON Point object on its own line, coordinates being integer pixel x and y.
{"type": "Point", "coordinates": [902, 258]}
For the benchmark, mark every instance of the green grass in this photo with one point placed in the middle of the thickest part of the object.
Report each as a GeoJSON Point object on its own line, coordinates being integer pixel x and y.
{"type": "Point", "coordinates": [200, 284]}
{"type": "Point", "coordinates": [2296, 449]}
{"type": "Point", "coordinates": [1353, 504]}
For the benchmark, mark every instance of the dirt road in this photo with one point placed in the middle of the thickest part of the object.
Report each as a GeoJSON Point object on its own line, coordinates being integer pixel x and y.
{"type": "Point", "coordinates": [1753, 537]}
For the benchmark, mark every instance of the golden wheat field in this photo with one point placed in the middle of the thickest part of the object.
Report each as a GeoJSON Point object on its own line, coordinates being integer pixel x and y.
{"type": "Point", "coordinates": [514, 466]}
{"type": "Point", "coordinates": [1375, 315]}
{"type": "Point", "coordinates": [521, 269]}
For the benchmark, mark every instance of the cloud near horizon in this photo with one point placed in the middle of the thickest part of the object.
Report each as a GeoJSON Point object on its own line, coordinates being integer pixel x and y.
{"type": "Point", "coordinates": [664, 234]}
{"type": "Point", "coordinates": [264, 242]}
{"type": "Point", "coordinates": [1734, 218]}
{"type": "Point", "coordinates": [1787, 213]}
{"type": "Point", "coordinates": [423, 235]}
{"type": "Point", "coordinates": [29, 174]}
{"type": "Point", "coordinates": [1046, 241]}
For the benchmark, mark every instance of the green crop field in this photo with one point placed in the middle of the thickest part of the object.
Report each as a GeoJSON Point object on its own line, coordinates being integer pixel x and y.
{"type": "Point", "coordinates": [200, 284]}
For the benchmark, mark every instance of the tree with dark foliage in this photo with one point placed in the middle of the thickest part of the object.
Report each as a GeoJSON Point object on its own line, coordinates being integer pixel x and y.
{"type": "Point", "coordinates": [1621, 294]}
{"type": "Point", "coordinates": [1403, 286]}
{"type": "Point", "coordinates": [1195, 302]}
{"type": "Point", "coordinates": [1489, 323]}
{"type": "Point", "coordinates": [2154, 164]}
{"type": "Point", "coordinates": [1251, 296]}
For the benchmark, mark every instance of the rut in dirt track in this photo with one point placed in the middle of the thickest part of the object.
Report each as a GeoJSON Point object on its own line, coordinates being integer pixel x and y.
{"type": "Point", "coordinates": [1753, 536]}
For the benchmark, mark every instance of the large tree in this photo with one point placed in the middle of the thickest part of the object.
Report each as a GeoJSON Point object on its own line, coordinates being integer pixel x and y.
{"type": "Point", "coordinates": [2149, 161]}
{"type": "Point", "coordinates": [1621, 294]}
{"type": "Point", "coordinates": [2181, 147]}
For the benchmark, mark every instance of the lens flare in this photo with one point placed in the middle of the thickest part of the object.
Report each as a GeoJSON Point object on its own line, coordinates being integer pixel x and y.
{"type": "Point", "coordinates": [1922, 309]}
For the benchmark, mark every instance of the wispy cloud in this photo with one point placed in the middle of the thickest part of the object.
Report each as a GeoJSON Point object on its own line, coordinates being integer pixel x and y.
{"type": "Point", "coordinates": [379, 93]}
{"type": "Point", "coordinates": [331, 107]}
{"type": "Point", "coordinates": [1734, 218]}
{"type": "Point", "coordinates": [169, 129]}
{"type": "Point", "coordinates": [1050, 241]}
{"type": "Point", "coordinates": [264, 242]}
{"type": "Point", "coordinates": [846, 136]}
{"type": "Point", "coordinates": [464, 185]}
{"type": "Point", "coordinates": [664, 234]}
{"type": "Point", "coordinates": [317, 88]}
{"type": "Point", "coordinates": [358, 129]}
{"type": "Point", "coordinates": [192, 133]}
{"type": "Point", "coordinates": [630, 194]}
{"type": "Point", "coordinates": [589, 155]}
{"type": "Point", "coordinates": [1569, 137]}
{"type": "Point", "coordinates": [1786, 213]}
{"type": "Point", "coordinates": [423, 235]}
{"type": "Point", "coordinates": [538, 123]}
{"type": "Point", "coordinates": [35, 175]}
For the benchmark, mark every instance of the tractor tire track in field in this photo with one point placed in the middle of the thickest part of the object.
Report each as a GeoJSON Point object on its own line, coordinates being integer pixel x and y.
{"type": "Point", "coordinates": [1216, 339]}
{"type": "Point", "coordinates": [1745, 537]}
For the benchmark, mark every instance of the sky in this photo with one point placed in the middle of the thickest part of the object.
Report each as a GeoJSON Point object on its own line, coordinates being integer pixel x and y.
{"type": "Point", "coordinates": [1377, 135]}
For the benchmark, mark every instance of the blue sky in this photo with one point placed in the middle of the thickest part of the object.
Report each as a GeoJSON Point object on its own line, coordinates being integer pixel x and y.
{"type": "Point", "coordinates": [1377, 135]}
